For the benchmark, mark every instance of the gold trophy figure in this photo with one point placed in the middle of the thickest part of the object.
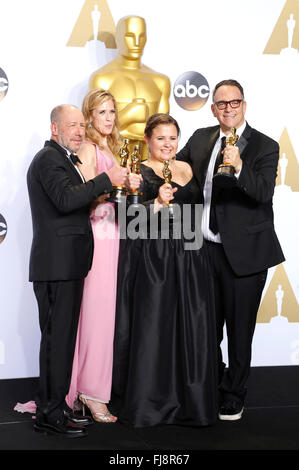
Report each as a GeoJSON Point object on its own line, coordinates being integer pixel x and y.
{"type": "Point", "coordinates": [167, 175]}
{"type": "Point", "coordinates": [138, 90]}
{"type": "Point", "coordinates": [124, 154]}
{"type": "Point", "coordinates": [135, 160]}
{"type": "Point", "coordinates": [134, 196]}
{"type": "Point", "coordinates": [225, 176]}
{"type": "Point", "coordinates": [119, 193]}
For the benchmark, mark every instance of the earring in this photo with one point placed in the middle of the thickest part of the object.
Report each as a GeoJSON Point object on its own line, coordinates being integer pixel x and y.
{"type": "Point", "coordinates": [90, 125]}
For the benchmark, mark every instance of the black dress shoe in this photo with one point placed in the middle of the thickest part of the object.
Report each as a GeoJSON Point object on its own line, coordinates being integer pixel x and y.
{"type": "Point", "coordinates": [60, 428]}
{"type": "Point", "coordinates": [78, 419]}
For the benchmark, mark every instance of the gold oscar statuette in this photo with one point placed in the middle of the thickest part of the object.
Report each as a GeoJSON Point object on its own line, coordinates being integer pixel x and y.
{"type": "Point", "coordinates": [225, 176]}
{"type": "Point", "coordinates": [167, 175]}
{"type": "Point", "coordinates": [119, 193]}
{"type": "Point", "coordinates": [134, 196]}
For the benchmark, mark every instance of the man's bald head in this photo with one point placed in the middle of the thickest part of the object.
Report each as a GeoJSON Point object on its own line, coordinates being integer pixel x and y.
{"type": "Point", "coordinates": [67, 126]}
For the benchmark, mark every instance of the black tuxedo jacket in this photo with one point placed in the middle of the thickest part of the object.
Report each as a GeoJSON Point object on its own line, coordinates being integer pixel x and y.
{"type": "Point", "coordinates": [62, 246]}
{"type": "Point", "coordinates": [244, 213]}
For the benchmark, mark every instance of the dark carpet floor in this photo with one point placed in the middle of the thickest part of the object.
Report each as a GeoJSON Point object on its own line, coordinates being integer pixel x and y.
{"type": "Point", "coordinates": [270, 424]}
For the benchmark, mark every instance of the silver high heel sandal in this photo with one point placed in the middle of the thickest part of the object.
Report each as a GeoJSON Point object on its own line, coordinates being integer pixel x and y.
{"type": "Point", "coordinates": [97, 416]}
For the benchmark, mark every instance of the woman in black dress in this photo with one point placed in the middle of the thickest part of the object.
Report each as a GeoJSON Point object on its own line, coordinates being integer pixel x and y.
{"type": "Point", "coordinates": [165, 360]}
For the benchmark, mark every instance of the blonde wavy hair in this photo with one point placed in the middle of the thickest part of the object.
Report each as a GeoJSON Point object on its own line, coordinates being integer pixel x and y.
{"type": "Point", "coordinates": [92, 100]}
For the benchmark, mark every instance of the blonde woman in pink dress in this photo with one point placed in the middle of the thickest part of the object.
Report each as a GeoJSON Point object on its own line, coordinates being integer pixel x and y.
{"type": "Point", "coordinates": [92, 365]}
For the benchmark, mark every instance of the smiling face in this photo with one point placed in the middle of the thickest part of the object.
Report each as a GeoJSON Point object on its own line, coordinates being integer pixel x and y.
{"type": "Point", "coordinates": [163, 143]}
{"type": "Point", "coordinates": [229, 117]}
{"type": "Point", "coordinates": [69, 128]}
{"type": "Point", "coordinates": [103, 117]}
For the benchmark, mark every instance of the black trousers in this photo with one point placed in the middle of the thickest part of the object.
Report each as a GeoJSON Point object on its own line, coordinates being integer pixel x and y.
{"type": "Point", "coordinates": [237, 300]}
{"type": "Point", "coordinates": [59, 305]}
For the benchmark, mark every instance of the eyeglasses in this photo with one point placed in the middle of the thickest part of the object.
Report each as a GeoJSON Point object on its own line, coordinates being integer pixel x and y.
{"type": "Point", "coordinates": [232, 103]}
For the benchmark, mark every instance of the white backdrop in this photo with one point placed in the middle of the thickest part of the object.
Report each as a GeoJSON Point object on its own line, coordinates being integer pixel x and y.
{"type": "Point", "coordinates": [215, 38]}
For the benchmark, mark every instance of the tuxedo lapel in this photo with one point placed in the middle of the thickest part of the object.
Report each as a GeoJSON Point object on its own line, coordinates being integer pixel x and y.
{"type": "Point", "coordinates": [206, 152]}
{"type": "Point", "coordinates": [243, 140]}
{"type": "Point", "coordinates": [212, 140]}
{"type": "Point", "coordinates": [74, 170]}
{"type": "Point", "coordinates": [62, 151]}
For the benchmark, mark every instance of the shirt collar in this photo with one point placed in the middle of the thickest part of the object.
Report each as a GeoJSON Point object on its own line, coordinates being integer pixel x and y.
{"type": "Point", "coordinates": [68, 152]}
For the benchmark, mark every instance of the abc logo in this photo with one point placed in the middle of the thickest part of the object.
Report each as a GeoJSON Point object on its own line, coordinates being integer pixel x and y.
{"type": "Point", "coordinates": [3, 84]}
{"type": "Point", "coordinates": [3, 228]}
{"type": "Point", "coordinates": [191, 91]}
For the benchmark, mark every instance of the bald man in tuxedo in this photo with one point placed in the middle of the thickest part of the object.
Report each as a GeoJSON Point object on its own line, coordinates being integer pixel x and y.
{"type": "Point", "coordinates": [61, 256]}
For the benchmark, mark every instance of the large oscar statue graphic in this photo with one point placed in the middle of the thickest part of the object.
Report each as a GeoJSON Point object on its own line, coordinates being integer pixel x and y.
{"type": "Point", "coordinates": [139, 91]}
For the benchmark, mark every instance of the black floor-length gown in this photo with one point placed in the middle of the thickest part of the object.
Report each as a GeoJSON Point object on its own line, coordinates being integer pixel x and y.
{"type": "Point", "coordinates": [165, 356]}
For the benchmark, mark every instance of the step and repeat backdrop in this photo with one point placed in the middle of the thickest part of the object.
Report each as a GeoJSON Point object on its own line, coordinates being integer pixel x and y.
{"type": "Point", "coordinates": [48, 53]}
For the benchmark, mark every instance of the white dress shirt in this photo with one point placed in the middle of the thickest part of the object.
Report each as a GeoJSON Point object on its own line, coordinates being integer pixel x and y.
{"type": "Point", "coordinates": [207, 191]}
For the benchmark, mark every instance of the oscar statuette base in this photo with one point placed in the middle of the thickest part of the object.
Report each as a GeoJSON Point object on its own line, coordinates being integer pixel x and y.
{"type": "Point", "coordinates": [118, 195]}
{"type": "Point", "coordinates": [225, 177]}
{"type": "Point", "coordinates": [134, 198]}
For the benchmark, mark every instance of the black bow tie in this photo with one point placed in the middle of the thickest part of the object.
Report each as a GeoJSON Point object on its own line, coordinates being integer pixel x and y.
{"type": "Point", "coordinates": [75, 158]}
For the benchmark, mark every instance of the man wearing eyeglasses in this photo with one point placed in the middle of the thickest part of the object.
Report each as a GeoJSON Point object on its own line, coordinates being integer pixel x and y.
{"type": "Point", "coordinates": [238, 231]}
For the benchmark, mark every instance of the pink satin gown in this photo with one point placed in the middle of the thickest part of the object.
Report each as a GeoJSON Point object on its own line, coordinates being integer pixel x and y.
{"type": "Point", "coordinates": [92, 364]}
